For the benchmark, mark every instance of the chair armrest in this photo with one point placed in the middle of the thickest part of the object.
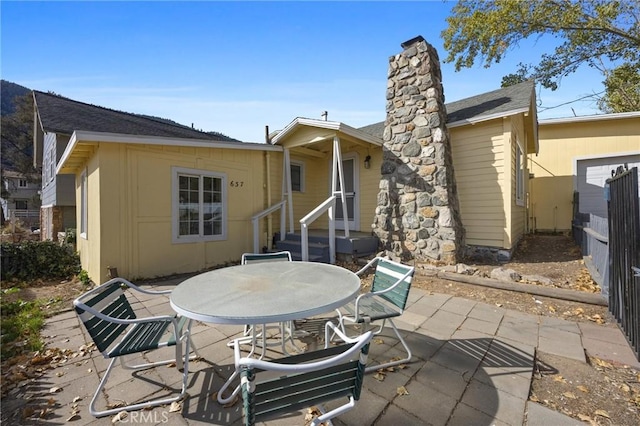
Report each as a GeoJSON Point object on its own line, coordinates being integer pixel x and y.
{"type": "Point", "coordinates": [336, 330]}
{"type": "Point", "coordinates": [371, 263]}
{"type": "Point", "coordinates": [396, 284]}
{"type": "Point", "coordinates": [123, 321]}
{"type": "Point", "coordinates": [137, 288]}
{"type": "Point", "coordinates": [351, 353]}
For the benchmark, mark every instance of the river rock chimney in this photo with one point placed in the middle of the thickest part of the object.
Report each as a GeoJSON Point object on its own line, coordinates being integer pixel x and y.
{"type": "Point", "coordinates": [417, 213]}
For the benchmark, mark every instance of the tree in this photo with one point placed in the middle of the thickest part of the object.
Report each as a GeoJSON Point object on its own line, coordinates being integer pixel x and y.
{"type": "Point", "coordinates": [592, 32]}
{"type": "Point", "coordinates": [17, 139]}
{"type": "Point", "coordinates": [622, 90]}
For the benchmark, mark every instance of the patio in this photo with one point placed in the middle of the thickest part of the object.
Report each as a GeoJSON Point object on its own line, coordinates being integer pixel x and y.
{"type": "Point", "coordinates": [472, 364]}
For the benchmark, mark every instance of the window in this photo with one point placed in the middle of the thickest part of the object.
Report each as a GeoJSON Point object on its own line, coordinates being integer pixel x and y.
{"type": "Point", "coordinates": [52, 162]}
{"type": "Point", "coordinates": [519, 175]}
{"type": "Point", "coordinates": [297, 176]}
{"type": "Point", "coordinates": [199, 201]}
{"type": "Point", "coordinates": [21, 204]}
{"type": "Point", "coordinates": [22, 183]}
{"type": "Point", "coordinates": [83, 204]}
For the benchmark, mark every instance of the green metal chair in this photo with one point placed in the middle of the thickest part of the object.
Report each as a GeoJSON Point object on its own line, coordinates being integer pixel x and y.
{"type": "Point", "coordinates": [271, 389]}
{"type": "Point", "coordinates": [286, 328]}
{"type": "Point", "coordinates": [386, 300]}
{"type": "Point", "coordinates": [116, 331]}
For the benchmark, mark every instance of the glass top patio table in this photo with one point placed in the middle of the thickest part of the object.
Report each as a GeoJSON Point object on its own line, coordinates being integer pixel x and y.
{"type": "Point", "coordinates": [268, 292]}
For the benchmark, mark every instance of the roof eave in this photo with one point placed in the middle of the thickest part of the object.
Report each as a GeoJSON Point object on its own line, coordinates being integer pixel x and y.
{"type": "Point", "coordinates": [330, 125]}
{"type": "Point", "coordinates": [488, 117]}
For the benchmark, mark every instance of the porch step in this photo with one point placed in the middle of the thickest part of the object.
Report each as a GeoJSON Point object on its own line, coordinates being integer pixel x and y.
{"type": "Point", "coordinates": [318, 252]}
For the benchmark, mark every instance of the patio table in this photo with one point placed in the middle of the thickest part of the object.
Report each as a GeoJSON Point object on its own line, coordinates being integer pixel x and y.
{"type": "Point", "coordinates": [260, 293]}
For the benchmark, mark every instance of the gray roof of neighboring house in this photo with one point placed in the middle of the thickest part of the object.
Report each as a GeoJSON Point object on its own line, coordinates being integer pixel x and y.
{"type": "Point", "coordinates": [492, 103]}
{"type": "Point", "coordinates": [62, 115]}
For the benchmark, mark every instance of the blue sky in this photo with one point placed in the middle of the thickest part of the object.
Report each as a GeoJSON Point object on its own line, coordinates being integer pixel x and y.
{"type": "Point", "coordinates": [235, 67]}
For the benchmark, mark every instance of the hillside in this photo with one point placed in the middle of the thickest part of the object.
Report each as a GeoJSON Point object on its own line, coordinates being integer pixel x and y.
{"type": "Point", "coordinates": [8, 91]}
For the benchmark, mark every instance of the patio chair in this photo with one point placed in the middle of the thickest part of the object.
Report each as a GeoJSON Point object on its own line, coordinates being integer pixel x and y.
{"type": "Point", "coordinates": [285, 328]}
{"type": "Point", "coordinates": [116, 331]}
{"type": "Point", "coordinates": [273, 388]}
{"type": "Point", "coordinates": [386, 300]}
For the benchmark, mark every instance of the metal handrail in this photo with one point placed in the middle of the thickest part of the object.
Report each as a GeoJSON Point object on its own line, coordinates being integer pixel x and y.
{"type": "Point", "coordinates": [314, 214]}
{"type": "Point", "coordinates": [255, 220]}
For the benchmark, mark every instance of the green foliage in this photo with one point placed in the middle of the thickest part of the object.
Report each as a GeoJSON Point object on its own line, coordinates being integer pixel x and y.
{"type": "Point", "coordinates": [591, 32]}
{"type": "Point", "coordinates": [31, 260]}
{"type": "Point", "coordinates": [20, 327]}
{"type": "Point", "coordinates": [17, 138]}
{"type": "Point", "coordinates": [83, 276]}
{"type": "Point", "coordinates": [622, 90]}
{"type": "Point", "coordinates": [70, 236]}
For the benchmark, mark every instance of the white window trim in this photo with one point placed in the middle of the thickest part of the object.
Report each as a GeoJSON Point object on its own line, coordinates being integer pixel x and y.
{"type": "Point", "coordinates": [302, 174]}
{"type": "Point", "coordinates": [84, 192]}
{"type": "Point", "coordinates": [175, 227]}
{"type": "Point", "coordinates": [520, 163]}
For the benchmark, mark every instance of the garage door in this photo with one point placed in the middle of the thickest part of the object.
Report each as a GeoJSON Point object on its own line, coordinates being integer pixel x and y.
{"type": "Point", "coordinates": [591, 178]}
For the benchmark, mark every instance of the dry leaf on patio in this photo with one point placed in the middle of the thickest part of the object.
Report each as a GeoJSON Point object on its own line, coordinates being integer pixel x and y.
{"type": "Point", "coordinates": [77, 398]}
{"type": "Point", "coordinates": [602, 413]}
{"type": "Point", "coordinates": [119, 417]}
{"type": "Point", "coordinates": [175, 407]}
{"type": "Point", "coordinates": [559, 378]}
{"type": "Point", "coordinates": [60, 374]}
{"type": "Point", "coordinates": [569, 395]}
{"type": "Point", "coordinates": [378, 341]}
{"type": "Point", "coordinates": [171, 365]}
{"type": "Point", "coordinates": [27, 412]}
{"type": "Point", "coordinates": [401, 390]}
{"type": "Point", "coordinates": [625, 388]}
{"type": "Point", "coordinates": [379, 376]}
{"type": "Point", "coordinates": [73, 417]}
{"type": "Point", "coordinates": [116, 404]}
{"type": "Point", "coordinates": [583, 388]}
{"type": "Point", "coordinates": [55, 389]}
{"type": "Point", "coordinates": [585, 418]}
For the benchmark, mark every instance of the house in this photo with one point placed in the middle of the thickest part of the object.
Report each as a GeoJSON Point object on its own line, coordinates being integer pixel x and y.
{"type": "Point", "coordinates": [577, 155]}
{"type": "Point", "coordinates": [20, 199]}
{"type": "Point", "coordinates": [433, 182]}
{"type": "Point", "coordinates": [55, 120]}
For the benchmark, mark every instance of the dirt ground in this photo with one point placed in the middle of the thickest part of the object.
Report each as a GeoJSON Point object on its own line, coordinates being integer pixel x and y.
{"type": "Point", "coordinates": [599, 393]}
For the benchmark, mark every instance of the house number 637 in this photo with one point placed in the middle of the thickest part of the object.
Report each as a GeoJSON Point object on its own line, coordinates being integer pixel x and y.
{"type": "Point", "coordinates": [235, 183]}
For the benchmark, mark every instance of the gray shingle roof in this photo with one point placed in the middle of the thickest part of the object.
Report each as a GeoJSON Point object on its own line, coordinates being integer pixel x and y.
{"type": "Point", "coordinates": [499, 101]}
{"type": "Point", "coordinates": [62, 115]}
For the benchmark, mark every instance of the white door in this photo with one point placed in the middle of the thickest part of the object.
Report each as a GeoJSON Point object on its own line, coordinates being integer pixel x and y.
{"type": "Point", "coordinates": [591, 176]}
{"type": "Point", "coordinates": [350, 170]}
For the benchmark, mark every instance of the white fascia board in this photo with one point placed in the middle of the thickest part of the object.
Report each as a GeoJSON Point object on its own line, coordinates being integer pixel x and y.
{"type": "Point", "coordinates": [595, 117]}
{"type": "Point", "coordinates": [481, 118]}
{"type": "Point", "coordinates": [85, 136]}
{"type": "Point", "coordinates": [325, 124]}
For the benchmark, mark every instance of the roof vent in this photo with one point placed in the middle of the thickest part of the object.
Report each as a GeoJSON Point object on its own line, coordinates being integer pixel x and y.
{"type": "Point", "coordinates": [414, 40]}
{"type": "Point", "coordinates": [324, 115]}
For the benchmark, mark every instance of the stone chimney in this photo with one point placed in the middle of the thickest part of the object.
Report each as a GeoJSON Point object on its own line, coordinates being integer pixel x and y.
{"type": "Point", "coordinates": [417, 214]}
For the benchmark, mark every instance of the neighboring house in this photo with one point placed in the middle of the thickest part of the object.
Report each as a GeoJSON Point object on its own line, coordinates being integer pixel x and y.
{"type": "Point", "coordinates": [23, 201]}
{"type": "Point", "coordinates": [577, 155]}
{"type": "Point", "coordinates": [55, 120]}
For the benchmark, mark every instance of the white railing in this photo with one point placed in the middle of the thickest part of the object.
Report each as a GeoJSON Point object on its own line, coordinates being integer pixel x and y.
{"type": "Point", "coordinates": [255, 221]}
{"type": "Point", "coordinates": [327, 205]}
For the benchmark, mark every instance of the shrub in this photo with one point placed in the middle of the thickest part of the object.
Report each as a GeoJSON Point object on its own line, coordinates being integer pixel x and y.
{"type": "Point", "coordinates": [29, 260]}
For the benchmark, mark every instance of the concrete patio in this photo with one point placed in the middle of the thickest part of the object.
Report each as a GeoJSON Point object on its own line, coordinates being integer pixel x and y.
{"type": "Point", "coordinates": [472, 364]}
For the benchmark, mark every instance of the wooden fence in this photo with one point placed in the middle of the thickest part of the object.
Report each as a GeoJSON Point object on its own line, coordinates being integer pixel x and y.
{"type": "Point", "coordinates": [624, 253]}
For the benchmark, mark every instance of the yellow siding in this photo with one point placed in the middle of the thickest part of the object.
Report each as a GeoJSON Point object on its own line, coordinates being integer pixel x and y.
{"type": "Point", "coordinates": [131, 229]}
{"type": "Point", "coordinates": [561, 145]}
{"type": "Point", "coordinates": [478, 162]}
{"type": "Point", "coordinates": [518, 211]}
{"type": "Point", "coordinates": [89, 247]}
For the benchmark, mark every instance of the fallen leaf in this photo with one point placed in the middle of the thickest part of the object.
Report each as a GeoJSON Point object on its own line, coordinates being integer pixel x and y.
{"type": "Point", "coordinates": [559, 378]}
{"type": "Point", "coordinates": [74, 417]}
{"type": "Point", "coordinates": [583, 388]}
{"type": "Point", "coordinates": [51, 401]}
{"type": "Point", "coordinates": [625, 388]}
{"type": "Point", "coordinates": [401, 390]}
{"type": "Point", "coordinates": [569, 395]}
{"type": "Point", "coordinates": [55, 389]}
{"type": "Point", "coordinates": [602, 413]}
{"type": "Point", "coordinates": [119, 417]}
{"type": "Point", "coordinates": [551, 308]}
{"type": "Point", "coordinates": [379, 376]}
{"type": "Point", "coordinates": [585, 418]}
{"type": "Point", "coordinates": [175, 407]}
{"type": "Point", "coordinates": [378, 341]}
{"type": "Point", "coordinates": [77, 398]}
